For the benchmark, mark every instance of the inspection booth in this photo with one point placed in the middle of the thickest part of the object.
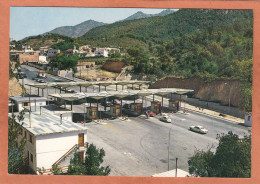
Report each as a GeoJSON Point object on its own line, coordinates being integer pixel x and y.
{"type": "Point", "coordinates": [92, 112]}
{"type": "Point", "coordinates": [156, 107]}
{"type": "Point", "coordinates": [137, 107]}
{"type": "Point", "coordinates": [115, 110]}
{"type": "Point", "coordinates": [174, 105]}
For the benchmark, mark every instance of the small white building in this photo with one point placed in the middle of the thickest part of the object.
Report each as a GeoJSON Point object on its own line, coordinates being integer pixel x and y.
{"type": "Point", "coordinates": [101, 52]}
{"type": "Point", "coordinates": [51, 140]}
{"type": "Point", "coordinates": [27, 48]}
{"type": "Point", "coordinates": [23, 101]}
{"type": "Point", "coordinates": [43, 59]}
{"type": "Point", "coordinates": [248, 119]}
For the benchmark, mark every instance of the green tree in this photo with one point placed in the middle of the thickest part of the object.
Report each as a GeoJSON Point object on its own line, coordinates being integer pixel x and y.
{"type": "Point", "coordinates": [64, 62]}
{"type": "Point", "coordinates": [91, 165]}
{"type": "Point", "coordinates": [199, 163]}
{"type": "Point", "coordinates": [231, 159]}
{"type": "Point", "coordinates": [16, 160]}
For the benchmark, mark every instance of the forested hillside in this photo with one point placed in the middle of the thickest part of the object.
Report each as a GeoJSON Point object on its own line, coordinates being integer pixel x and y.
{"type": "Point", "coordinates": [156, 30]}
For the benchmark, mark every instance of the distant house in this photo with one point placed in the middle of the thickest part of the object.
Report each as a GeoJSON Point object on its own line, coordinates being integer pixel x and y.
{"type": "Point", "coordinates": [113, 49]}
{"type": "Point", "coordinates": [26, 101]}
{"type": "Point", "coordinates": [52, 52]}
{"type": "Point", "coordinates": [101, 52]}
{"type": "Point", "coordinates": [248, 119]}
{"type": "Point", "coordinates": [84, 49]}
{"type": "Point", "coordinates": [51, 140]}
{"type": "Point", "coordinates": [84, 65]}
{"type": "Point", "coordinates": [27, 48]}
{"type": "Point", "coordinates": [15, 52]}
{"type": "Point", "coordinates": [72, 51]}
{"type": "Point", "coordinates": [31, 57]}
{"type": "Point", "coordinates": [44, 51]}
{"type": "Point", "coordinates": [43, 59]}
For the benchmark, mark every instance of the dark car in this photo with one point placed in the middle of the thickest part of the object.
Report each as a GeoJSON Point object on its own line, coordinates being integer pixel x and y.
{"type": "Point", "coordinates": [22, 75]}
{"type": "Point", "coordinates": [129, 112]}
{"type": "Point", "coordinates": [127, 106]}
{"type": "Point", "coordinates": [107, 115]}
{"type": "Point", "coordinates": [106, 103]}
{"type": "Point", "coordinates": [79, 117]}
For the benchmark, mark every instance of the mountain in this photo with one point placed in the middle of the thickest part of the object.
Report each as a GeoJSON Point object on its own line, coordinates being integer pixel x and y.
{"type": "Point", "coordinates": [140, 15]}
{"type": "Point", "coordinates": [158, 29]}
{"type": "Point", "coordinates": [77, 30]}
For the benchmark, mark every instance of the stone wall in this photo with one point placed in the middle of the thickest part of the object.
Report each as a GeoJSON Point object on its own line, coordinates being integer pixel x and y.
{"type": "Point", "coordinates": [23, 58]}
{"type": "Point", "coordinates": [114, 66]}
{"type": "Point", "coordinates": [234, 111]}
{"type": "Point", "coordinates": [215, 91]}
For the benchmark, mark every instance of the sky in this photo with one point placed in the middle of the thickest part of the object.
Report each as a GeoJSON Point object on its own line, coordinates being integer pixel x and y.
{"type": "Point", "coordinates": [30, 21]}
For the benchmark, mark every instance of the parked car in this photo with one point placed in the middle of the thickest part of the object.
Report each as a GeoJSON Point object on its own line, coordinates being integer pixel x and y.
{"type": "Point", "coordinates": [35, 78]}
{"type": "Point", "coordinates": [129, 112]}
{"type": "Point", "coordinates": [22, 75]}
{"type": "Point", "coordinates": [40, 80]}
{"type": "Point", "coordinates": [71, 91]}
{"type": "Point", "coordinates": [79, 118]}
{"type": "Point", "coordinates": [106, 103]}
{"type": "Point", "coordinates": [198, 129]}
{"type": "Point", "coordinates": [166, 119]}
{"type": "Point", "coordinates": [107, 115]}
{"type": "Point", "coordinates": [152, 114]}
{"type": "Point", "coordinates": [127, 106]}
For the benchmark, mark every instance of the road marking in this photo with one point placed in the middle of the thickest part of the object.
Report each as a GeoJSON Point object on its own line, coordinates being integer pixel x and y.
{"type": "Point", "coordinates": [133, 123]}
{"type": "Point", "coordinates": [112, 127]}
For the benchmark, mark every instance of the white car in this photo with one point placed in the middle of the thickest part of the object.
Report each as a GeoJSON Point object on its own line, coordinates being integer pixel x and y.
{"type": "Point", "coordinates": [198, 129]}
{"type": "Point", "coordinates": [166, 119]}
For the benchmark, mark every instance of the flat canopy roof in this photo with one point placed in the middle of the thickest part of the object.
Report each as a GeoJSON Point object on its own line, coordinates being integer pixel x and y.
{"type": "Point", "coordinates": [26, 98]}
{"type": "Point", "coordinates": [47, 123]}
{"type": "Point", "coordinates": [119, 94]}
{"type": "Point", "coordinates": [85, 83]}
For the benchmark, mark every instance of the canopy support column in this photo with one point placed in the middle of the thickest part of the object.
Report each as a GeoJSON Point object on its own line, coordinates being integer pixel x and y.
{"type": "Point", "coordinates": [121, 108]}
{"type": "Point", "coordinates": [162, 105]}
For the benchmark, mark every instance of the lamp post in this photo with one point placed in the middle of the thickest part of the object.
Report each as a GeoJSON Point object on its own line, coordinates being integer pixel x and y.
{"type": "Point", "coordinates": [169, 143]}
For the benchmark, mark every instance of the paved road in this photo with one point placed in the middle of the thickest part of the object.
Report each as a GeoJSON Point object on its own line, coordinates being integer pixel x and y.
{"type": "Point", "coordinates": [139, 147]}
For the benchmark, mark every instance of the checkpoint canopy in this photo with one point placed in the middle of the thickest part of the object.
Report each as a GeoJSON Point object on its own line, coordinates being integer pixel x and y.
{"type": "Point", "coordinates": [86, 83]}
{"type": "Point", "coordinates": [120, 94]}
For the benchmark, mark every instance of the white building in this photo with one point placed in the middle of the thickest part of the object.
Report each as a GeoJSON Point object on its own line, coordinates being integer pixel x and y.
{"type": "Point", "coordinates": [27, 48]}
{"type": "Point", "coordinates": [43, 59]}
{"type": "Point", "coordinates": [101, 52]}
{"type": "Point", "coordinates": [22, 101]}
{"type": "Point", "coordinates": [248, 119]}
{"type": "Point", "coordinates": [51, 140]}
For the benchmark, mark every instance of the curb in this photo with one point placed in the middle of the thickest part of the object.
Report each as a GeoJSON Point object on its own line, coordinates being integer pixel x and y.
{"type": "Point", "coordinates": [216, 117]}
